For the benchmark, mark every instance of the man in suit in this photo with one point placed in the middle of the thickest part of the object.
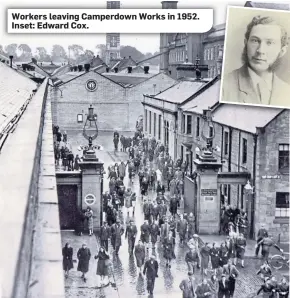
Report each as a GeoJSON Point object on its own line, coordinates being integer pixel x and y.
{"type": "Point", "coordinates": [256, 82]}
{"type": "Point", "coordinates": [223, 291]}
{"type": "Point", "coordinates": [262, 233]}
{"type": "Point", "coordinates": [130, 234]}
{"type": "Point", "coordinates": [203, 290]}
{"type": "Point", "coordinates": [151, 271]}
{"type": "Point", "coordinates": [232, 273]}
{"type": "Point", "coordinates": [187, 286]}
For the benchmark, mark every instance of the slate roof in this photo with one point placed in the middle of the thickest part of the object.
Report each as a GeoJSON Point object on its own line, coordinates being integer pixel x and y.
{"type": "Point", "coordinates": [15, 90]}
{"type": "Point", "coordinates": [217, 32]}
{"type": "Point", "coordinates": [6, 61]}
{"type": "Point", "coordinates": [180, 91]}
{"type": "Point", "coordinates": [245, 118]}
{"type": "Point", "coordinates": [61, 70]}
{"type": "Point", "coordinates": [124, 63]}
{"type": "Point", "coordinates": [207, 98]}
{"type": "Point", "coordinates": [66, 77]}
{"type": "Point", "coordinates": [277, 6]}
{"type": "Point", "coordinates": [40, 69]}
{"type": "Point", "coordinates": [128, 79]}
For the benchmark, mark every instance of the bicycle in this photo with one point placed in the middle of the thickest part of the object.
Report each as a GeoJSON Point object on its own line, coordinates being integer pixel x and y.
{"type": "Point", "coordinates": [279, 261]}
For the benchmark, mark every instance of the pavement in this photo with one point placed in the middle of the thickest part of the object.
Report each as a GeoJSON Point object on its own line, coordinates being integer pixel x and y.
{"type": "Point", "coordinates": [124, 272]}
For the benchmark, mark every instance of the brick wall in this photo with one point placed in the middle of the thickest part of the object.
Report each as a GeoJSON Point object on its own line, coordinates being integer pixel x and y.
{"type": "Point", "coordinates": [275, 133]}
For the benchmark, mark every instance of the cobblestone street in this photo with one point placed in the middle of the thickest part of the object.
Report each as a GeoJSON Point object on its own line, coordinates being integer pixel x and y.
{"type": "Point", "coordinates": [129, 283]}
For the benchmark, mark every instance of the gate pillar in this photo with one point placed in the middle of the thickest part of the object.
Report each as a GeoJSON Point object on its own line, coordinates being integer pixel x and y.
{"type": "Point", "coordinates": [208, 197]}
{"type": "Point", "coordinates": [92, 172]}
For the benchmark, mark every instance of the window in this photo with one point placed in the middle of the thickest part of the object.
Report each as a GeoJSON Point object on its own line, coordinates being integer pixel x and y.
{"type": "Point", "coordinates": [80, 118]}
{"type": "Point", "coordinates": [189, 125]}
{"type": "Point", "coordinates": [183, 123]}
{"type": "Point", "coordinates": [208, 54]}
{"type": "Point", "coordinates": [146, 120]}
{"type": "Point", "coordinates": [150, 122]}
{"type": "Point", "coordinates": [154, 125]}
{"type": "Point", "coordinates": [244, 150]}
{"type": "Point", "coordinates": [211, 54]}
{"type": "Point", "coordinates": [159, 127]}
{"type": "Point", "coordinates": [282, 204]}
{"type": "Point", "coordinates": [204, 55]}
{"type": "Point", "coordinates": [226, 143]}
{"type": "Point", "coordinates": [284, 157]}
{"type": "Point", "coordinates": [210, 131]}
{"type": "Point", "coordinates": [197, 127]}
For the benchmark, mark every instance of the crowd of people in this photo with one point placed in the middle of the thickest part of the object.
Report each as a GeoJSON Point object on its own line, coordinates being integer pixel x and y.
{"type": "Point", "coordinates": [161, 184]}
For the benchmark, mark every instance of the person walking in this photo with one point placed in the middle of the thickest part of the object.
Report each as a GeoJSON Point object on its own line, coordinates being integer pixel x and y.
{"type": "Point", "coordinates": [214, 285]}
{"type": "Point", "coordinates": [122, 170]}
{"type": "Point", "coordinates": [140, 253]}
{"type": "Point", "coordinates": [203, 290]}
{"type": "Point", "coordinates": [241, 244]}
{"type": "Point", "coordinates": [103, 264]}
{"type": "Point", "coordinates": [204, 254]}
{"type": "Point", "coordinates": [105, 235]}
{"type": "Point", "coordinates": [191, 259]}
{"type": "Point", "coordinates": [262, 233]}
{"type": "Point", "coordinates": [84, 256]}
{"type": "Point", "coordinates": [168, 247]}
{"type": "Point", "coordinates": [214, 257]}
{"type": "Point", "coordinates": [154, 233]}
{"type": "Point", "coordinates": [130, 234]}
{"type": "Point", "coordinates": [267, 289]}
{"type": "Point", "coordinates": [67, 261]}
{"type": "Point", "coordinates": [151, 270]}
{"type": "Point", "coordinates": [128, 200]}
{"type": "Point", "coordinates": [145, 233]}
{"type": "Point", "coordinates": [187, 286]}
{"type": "Point", "coordinates": [232, 274]}
{"type": "Point", "coordinates": [182, 229]}
{"type": "Point", "coordinates": [267, 243]}
{"type": "Point", "coordinates": [117, 231]}
{"type": "Point", "coordinates": [90, 221]}
{"type": "Point", "coordinates": [223, 291]}
{"type": "Point", "coordinates": [283, 288]}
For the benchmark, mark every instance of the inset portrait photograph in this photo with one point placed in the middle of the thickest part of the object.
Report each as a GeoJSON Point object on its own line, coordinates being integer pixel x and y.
{"type": "Point", "coordinates": [256, 63]}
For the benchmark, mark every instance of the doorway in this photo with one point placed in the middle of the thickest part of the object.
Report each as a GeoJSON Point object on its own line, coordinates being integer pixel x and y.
{"type": "Point", "coordinates": [68, 209]}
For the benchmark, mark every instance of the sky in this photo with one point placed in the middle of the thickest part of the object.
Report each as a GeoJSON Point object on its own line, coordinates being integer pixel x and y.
{"type": "Point", "coordinates": [143, 42]}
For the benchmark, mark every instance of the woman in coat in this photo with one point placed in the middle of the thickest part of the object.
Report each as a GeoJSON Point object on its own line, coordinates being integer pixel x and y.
{"type": "Point", "coordinates": [169, 249]}
{"type": "Point", "coordinates": [214, 257]}
{"type": "Point", "coordinates": [103, 264]}
{"type": "Point", "coordinates": [140, 255]}
{"type": "Point", "coordinates": [204, 253]}
{"type": "Point", "coordinates": [89, 216]}
{"type": "Point", "coordinates": [128, 202]}
{"type": "Point", "coordinates": [223, 254]}
{"type": "Point", "coordinates": [84, 256]}
{"type": "Point", "coordinates": [67, 261]}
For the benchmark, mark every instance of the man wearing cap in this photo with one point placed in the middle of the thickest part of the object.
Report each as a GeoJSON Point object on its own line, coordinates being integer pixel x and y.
{"type": "Point", "coordinates": [117, 231]}
{"type": "Point", "coordinates": [262, 233]}
{"type": "Point", "coordinates": [187, 286]}
{"type": "Point", "coordinates": [223, 291]}
{"type": "Point", "coordinates": [105, 235]}
{"type": "Point", "coordinates": [203, 290]}
{"type": "Point", "coordinates": [131, 232]}
{"type": "Point", "coordinates": [151, 271]}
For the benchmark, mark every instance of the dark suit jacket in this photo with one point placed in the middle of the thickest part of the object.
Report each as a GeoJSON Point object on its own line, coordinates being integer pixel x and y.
{"type": "Point", "coordinates": [224, 289]}
{"type": "Point", "coordinates": [238, 88]}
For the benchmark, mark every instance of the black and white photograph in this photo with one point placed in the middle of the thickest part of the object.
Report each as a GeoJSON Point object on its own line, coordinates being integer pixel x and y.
{"type": "Point", "coordinates": [257, 57]}
{"type": "Point", "coordinates": [124, 175]}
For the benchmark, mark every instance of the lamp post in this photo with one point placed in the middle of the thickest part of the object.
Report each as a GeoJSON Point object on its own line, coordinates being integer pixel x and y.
{"type": "Point", "coordinates": [248, 193]}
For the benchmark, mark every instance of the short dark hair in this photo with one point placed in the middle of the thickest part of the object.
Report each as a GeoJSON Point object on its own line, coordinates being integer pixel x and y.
{"type": "Point", "coordinates": [259, 20]}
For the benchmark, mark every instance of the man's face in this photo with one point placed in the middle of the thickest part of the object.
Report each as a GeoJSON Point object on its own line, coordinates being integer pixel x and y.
{"type": "Point", "coordinates": [264, 47]}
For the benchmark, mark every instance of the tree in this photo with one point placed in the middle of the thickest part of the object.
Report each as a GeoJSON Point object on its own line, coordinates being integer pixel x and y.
{"type": "Point", "coordinates": [76, 49]}
{"type": "Point", "coordinates": [89, 54]}
{"type": "Point", "coordinates": [127, 51]}
{"type": "Point", "coordinates": [11, 49]}
{"type": "Point", "coordinates": [42, 55]}
{"type": "Point", "coordinates": [101, 49]}
{"type": "Point", "coordinates": [58, 51]}
{"type": "Point", "coordinates": [26, 52]}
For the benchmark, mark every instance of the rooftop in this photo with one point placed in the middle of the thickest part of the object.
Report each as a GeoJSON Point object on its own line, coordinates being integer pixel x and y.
{"type": "Point", "coordinates": [124, 63]}
{"type": "Point", "coordinates": [68, 76]}
{"type": "Point", "coordinates": [128, 79]}
{"type": "Point", "coordinates": [181, 91]}
{"type": "Point", "coordinates": [207, 98]}
{"type": "Point", "coordinates": [252, 117]}
{"type": "Point", "coordinates": [266, 5]}
{"type": "Point", "coordinates": [15, 90]}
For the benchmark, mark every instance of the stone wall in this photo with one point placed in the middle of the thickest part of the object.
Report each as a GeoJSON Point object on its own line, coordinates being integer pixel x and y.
{"type": "Point", "coordinates": [118, 108]}
{"type": "Point", "coordinates": [275, 133]}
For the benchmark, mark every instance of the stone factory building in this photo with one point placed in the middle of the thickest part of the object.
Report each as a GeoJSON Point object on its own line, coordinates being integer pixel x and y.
{"type": "Point", "coordinates": [116, 98]}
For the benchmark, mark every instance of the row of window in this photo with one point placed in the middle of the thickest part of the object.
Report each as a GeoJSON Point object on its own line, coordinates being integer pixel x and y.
{"type": "Point", "coordinates": [212, 53]}
{"type": "Point", "coordinates": [177, 56]}
{"type": "Point", "coordinates": [148, 124]}
{"type": "Point", "coordinates": [212, 72]}
{"type": "Point", "coordinates": [187, 123]}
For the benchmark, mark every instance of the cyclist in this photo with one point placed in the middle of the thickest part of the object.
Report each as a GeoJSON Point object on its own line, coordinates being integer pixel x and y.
{"type": "Point", "coordinates": [266, 244]}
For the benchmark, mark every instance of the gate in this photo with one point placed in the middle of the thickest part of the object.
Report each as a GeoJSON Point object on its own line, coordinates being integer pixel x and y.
{"type": "Point", "coordinates": [68, 208]}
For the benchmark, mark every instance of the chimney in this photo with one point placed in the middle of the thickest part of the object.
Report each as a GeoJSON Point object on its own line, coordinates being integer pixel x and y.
{"type": "Point", "coordinates": [87, 67]}
{"type": "Point", "coordinates": [146, 69]}
{"type": "Point", "coordinates": [129, 69]}
{"type": "Point", "coordinates": [11, 58]}
{"type": "Point", "coordinates": [107, 69]}
{"type": "Point", "coordinates": [75, 68]}
{"type": "Point", "coordinates": [169, 4]}
{"type": "Point", "coordinates": [198, 74]}
{"type": "Point", "coordinates": [98, 56]}
{"type": "Point", "coordinates": [80, 67]}
{"type": "Point", "coordinates": [71, 68]}
{"type": "Point", "coordinates": [116, 69]}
